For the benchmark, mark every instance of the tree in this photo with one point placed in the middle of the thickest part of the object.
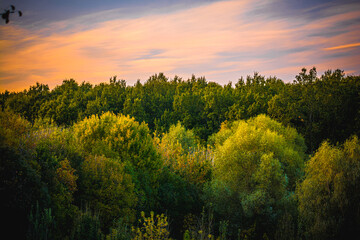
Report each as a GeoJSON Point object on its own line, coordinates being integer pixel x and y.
{"type": "Point", "coordinates": [20, 183]}
{"type": "Point", "coordinates": [29, 102]}
{"type": "Point", "coordinates": [258, 163]}
{"type": "Point", "coordinates": [184, 155]}
{"type": "Point", "coordinates": [186, 168]}
{"type": "Point", "coordinates": [217, 100]}
{"type": "Point", "coordinates": [319, 108]}
{"type": "Point", "coordinates": [122, 138]}
{"type": "Point", "coordinates": [118, 136]}
{"type": "Point", "coordinates": [54, 159]}
{"type": "Point", "coordinates": [189, 106]}
{"type": "Point", "coordinates": [329, 194]}
{"type": "Point", "coordinates": [105, 97]}
{"type": "Point", "coordinates": [251, 97]}
{"type": "Point", "coordinates": [158, 97]}
{"type": "Point", "coordinates": [107, 189]}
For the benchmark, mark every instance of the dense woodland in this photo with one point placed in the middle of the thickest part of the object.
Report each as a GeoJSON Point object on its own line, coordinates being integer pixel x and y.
{"type": "Point", "coordinates": [183, 159]}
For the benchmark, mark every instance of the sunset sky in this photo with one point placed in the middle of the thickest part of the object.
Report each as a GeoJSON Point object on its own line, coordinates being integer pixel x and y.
{"type": "Point", "coordinates": [92, 40]}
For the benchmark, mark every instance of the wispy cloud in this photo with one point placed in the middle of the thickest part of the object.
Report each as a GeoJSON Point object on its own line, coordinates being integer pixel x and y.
{"type": "Point", "coordinates": [352, 45]}
{"type": "Point", "coordinates": [221, 41]}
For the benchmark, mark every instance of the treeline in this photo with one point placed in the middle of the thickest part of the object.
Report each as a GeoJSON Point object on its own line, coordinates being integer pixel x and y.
{"type": "Point", "coordinates": [186, 159]}
{"type": "Point", "coordinates": [325, 107]}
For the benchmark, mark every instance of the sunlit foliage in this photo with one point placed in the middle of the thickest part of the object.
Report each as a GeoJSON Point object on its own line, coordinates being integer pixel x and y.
{"type": "Point", "coordinates": [255, 145]}
{"type": "Point", "coordinates": [152, 227]}
{"type": "Point", "coordinates": [117, 136]}
{"type": "Point", "coordinates": [329, 199]}
{"type": "Point", "coordinates": [257, 164]}
{"type": "Point", "coordinates": [182, 152]}
{"type": "Point", "coordinates": [82, 161]}
{"type": "Point", "coordinates": [122, 138]}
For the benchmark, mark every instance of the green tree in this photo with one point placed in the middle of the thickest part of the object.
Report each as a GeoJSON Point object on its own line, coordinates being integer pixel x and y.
{"type": "Point", "coordinates": [64, 105]}
{"type": "Point", "coordinates": [320, 108]}
{"type": "Point", "coordinates": [187, 166]}
{"type": "Point", "coordinates": [189, 106]}
{"type": "Point", "coordinates": [20, 184]}
{"type": "Point", "coordinates": [107, 189]}
{"type": "Point", "coordinates": [87, 225]}
{"type": "Point", "coordinates": [118, 136]}
{"type": "Point", "coordinates": [121, 137]}
{"type": "Point", "coordinates": [105, 97]}
{"type": "Point", "coordinates": [329, 194]}
{"type": "Point", "coordinates": [51, 156]}
{"type": "Point", "coordinates": [182, 152]}
{"type": "Point", "coordinates": [257, 165]}
{"type": "Point", "coordinates": [217, 100]}
{"type": "Point", "coordinates": [158, 97]}
{"type": "Point", "coordinates": [41, 224]}
{"type": "Point", "coordinates": [28, 102]}
{"type": "Point", "coordinates": [251, 97]}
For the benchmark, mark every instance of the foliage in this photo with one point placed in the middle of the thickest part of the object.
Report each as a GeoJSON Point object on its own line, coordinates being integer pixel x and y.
{"type": "Point", "coordinates": [179, 146]}
{"type": "Point", "coordinates": [50, 156]}
{"type": "Point", "coordinates": [320, 108]}
{"type": "Point", "coordinates": [108, 189]}
{"type": "Point", "coordinates": [329, 195]}
{"type": "Point", "coordinates": [121, 138]}
{"type": "Point", "coordinates": [41, 224]}
{"type": "Point", "coordinates": [152, 228]}
{"type": "Point", "coordinates": [87, 226]}
{"type": "Point", "coordinates": [20, 185]}
{"type": "Point", "coordinates": [184, 155]}
{"type": "Point", "coordinates": [117, 136]}
{"type": "Point", "coordinates": [186, 168]}
{"type": "Point", "coordinates": [251, 97]}
{"type": "Point", "coordinates": [200, 228]}
{"type": "Point", "coordinates": [13, 128]}
{"type": "Point", "coordinates": [260, 146]}
{"type": "Point", "coordinates": [177, 197]}
{"type": "Point", "coordinates": [257, 165]}
{"type": "Point", "coordinates": [120, 231]}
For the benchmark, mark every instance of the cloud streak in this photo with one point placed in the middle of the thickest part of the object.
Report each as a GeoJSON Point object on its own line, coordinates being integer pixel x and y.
{"type": "Point", "coordinates": [220, 41]}
{"type": "Point", "coordinates": [352, 45]}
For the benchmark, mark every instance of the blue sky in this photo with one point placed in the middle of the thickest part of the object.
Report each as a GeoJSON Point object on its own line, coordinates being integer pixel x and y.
{"type": "Point", "coordinates": [221, 40]}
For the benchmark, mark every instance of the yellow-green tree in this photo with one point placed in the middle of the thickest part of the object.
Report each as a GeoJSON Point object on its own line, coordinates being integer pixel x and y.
{"type": "Point", "coordinates": [187, 166]}
{"type": "Point", "coordinates": [122, 138]}
{"type": "Point", "coordinates": [152, 228]}
{"type": "Point", "coordinates": [118, 136]}
{"type": "Point", "coordinates": [256, 166]}
{"type": "Point", "coordinates": [245, 148]}
{"type": "Point", "coordinates": [184, 155]}
{"type": "Point", "coordinates": [329, 196]}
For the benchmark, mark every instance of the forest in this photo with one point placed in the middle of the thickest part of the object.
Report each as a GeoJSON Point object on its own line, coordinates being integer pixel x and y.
{"type": "Point", "coordinates": [183, 159]}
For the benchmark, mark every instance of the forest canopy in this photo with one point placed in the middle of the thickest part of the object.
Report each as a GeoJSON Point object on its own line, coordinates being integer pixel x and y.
{"type": "Point", "coordinates": [183, 159]}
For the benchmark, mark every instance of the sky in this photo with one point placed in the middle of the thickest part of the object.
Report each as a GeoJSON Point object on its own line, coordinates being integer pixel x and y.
{"type": "Point", "coordinates": [91, 40]}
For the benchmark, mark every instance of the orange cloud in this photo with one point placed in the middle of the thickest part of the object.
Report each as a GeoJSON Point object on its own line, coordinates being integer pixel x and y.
{"type": "Point", "coordinates": [344, 46]}
{"type": "Point", "coordinates": [217, 40]}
